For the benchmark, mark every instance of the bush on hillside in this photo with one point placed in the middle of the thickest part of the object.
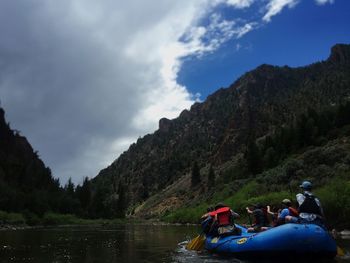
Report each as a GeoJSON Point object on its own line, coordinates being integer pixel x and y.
{"type": "Point", "coordinates": [11, 218]}
{"type": "Point", "coordinates": [186, 215]}
{"type": "Point", "coordinates": [59, 219]}
{"type": "Point", "coordinates": [335, 199]}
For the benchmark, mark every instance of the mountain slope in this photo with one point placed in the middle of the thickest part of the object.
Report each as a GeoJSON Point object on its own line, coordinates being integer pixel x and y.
{"type": "Point", "coordinates": [26, 184]}
{"type": "Point", "coordinates": [220, 131]}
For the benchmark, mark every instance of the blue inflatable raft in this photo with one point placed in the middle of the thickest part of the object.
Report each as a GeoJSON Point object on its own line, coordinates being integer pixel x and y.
{"type": "Point", "coordinates": [285, 241]}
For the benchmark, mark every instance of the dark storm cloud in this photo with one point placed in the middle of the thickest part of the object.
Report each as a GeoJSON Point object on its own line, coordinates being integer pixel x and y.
{"type": "Point", "coordinates": [83, 79]}
{"type": "Point", "coordinates": [59, 84]}
{"type": "Point", "coordinates": [68, 83]}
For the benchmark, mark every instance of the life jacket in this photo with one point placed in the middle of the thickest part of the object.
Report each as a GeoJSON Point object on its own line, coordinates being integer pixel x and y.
{"type": "Point", "coordinates": [223, 216]}
{"type": "Point", "coordinates": [293, 211]}
{"type": "Point", "coordinates": [309, 205]}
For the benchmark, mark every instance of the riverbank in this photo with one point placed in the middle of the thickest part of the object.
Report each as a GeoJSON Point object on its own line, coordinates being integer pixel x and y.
{"type": "Point", "coordinates": [19, 221]}
{"type": "Point", "coordinates": [14, 221]}
{"type": "Point", "coordinates": [336, 233]}
{"type": "Point", "coordinates": [13, 227]}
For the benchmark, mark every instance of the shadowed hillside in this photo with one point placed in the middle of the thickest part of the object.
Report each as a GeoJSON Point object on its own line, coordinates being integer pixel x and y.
{"type": "Point", "coordinates": [236, 132]}
{"type": "Point", "coordinates": [26, 184]}
{"type": "Point", "coordinates": [29, 194]}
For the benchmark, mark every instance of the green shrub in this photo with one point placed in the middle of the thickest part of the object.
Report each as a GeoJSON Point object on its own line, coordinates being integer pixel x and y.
{"type": "Point", "coordinates": [335, 199]}
{"type": "Point", "coordinates": [60, 219]}
{"type": "Point", "coordinates": [11, 218]}
{"type": "Point", "coordinates": [186, 215]}
{"type": "Point", "coordinates": [249, 190]}
{"type": "Point", "coordinates": [32, 219]}
{"type": "Point", "coordinates": [247, 195]}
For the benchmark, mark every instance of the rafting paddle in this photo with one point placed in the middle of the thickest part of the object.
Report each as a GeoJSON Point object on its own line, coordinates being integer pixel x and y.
{"type": "Point", "coordinates": [197, 243]}
{"type": "Point", "coordinates": [340, 252]}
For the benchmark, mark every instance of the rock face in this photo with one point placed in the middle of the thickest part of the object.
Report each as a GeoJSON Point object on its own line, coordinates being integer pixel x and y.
{"type": "Point", "coordinates": [164, 125]}
{"type": "Point", "coordinates": [340, 54]}
{"type": "Point", "coordinates": [217, 130]}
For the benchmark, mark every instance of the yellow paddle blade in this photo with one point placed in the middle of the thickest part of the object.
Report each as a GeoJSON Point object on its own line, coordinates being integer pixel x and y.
{"type": "Point", "coordinates": [197, 243]}
{"type": "Point", "coordinates": [192, 244]}
{"type": "Point", "coordinates": [340, 252]}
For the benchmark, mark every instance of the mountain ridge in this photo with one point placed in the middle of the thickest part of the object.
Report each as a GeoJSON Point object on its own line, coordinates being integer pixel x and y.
{"type": "Point", "coordinates": [218, 131]}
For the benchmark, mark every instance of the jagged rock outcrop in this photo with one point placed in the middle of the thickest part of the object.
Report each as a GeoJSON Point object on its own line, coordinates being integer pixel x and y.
{"type": "Point", "coordinates": [164, 125]}
{"type": "Point", "coordinates": [218, 130]}
{"type": "Point", "coordinates": [340, 54]}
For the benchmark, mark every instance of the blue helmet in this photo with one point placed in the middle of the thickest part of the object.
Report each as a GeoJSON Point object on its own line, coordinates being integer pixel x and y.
{"type": "Point", "coordinates": [306, 185]}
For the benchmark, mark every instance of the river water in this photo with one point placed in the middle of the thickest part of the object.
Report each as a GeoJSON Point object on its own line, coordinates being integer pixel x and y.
{"type": "Point", "coordinates": [124, 243]}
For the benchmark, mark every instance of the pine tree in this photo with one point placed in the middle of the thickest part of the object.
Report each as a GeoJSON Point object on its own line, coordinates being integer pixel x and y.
{"type": "Point", "coordinates": [310, 131]}
{"type": "Point", "coordinates": [343, 115]}
{"type": "Point", "coordinates": [211, 177]}
{"type": "Point", "coordinates": [84, 195]}
{"type": "Point", "coordinates": [195, 175]}
{"type": "Point", "coordinates": [98, 209]}
{"type": "Point", "coordinates": [253, 157]}
{"type": "Point", "coordinates": [70, 187]}
{"type": "Point", "coordinates": [270, 158]}
{"type": "Point", "coordinates": [121, 203]}
{"type": "Point", "coordinates": [301, 131]}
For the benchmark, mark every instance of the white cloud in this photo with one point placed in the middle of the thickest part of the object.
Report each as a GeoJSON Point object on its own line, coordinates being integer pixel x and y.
{"type": "Point", "coordinates": [240, 3]}
{"type": "Point", "coordinates": [274, 7]}
{"type": "Point", "coordinates": [76, 76]}
{"type": "Point", "coordinates": [80, 78]}
{"type": "Point", "coordinates": [83, 79]}
{"type": "Point", "coordinates": [323, 2]}
{"type": "Point", "coordinates": [237, 4]}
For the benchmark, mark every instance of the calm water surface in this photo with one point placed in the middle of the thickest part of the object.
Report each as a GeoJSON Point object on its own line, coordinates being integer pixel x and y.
{"type": "Point", "coordinates": [127, 243]}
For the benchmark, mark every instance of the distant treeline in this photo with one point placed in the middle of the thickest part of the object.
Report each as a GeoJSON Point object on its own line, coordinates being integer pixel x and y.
{"type": "Point", "coordinates": [28, 187]}
{"type": "Point", "coordinates": [34, 200]}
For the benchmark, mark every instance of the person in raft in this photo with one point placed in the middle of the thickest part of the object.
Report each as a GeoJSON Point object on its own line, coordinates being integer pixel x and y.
{"type": "Point", "coordinates": [223, 220]}
{"type": "Point", "coordinates": [273, 213]}
{"type": "Point", "coordinates": [288, 214]}
{"type": "Point", "coordinates": [310, 208]}
{"type": "Point", "coordinates": [207, 220]}
{"type": "Point", "coordinates": [261, 221]}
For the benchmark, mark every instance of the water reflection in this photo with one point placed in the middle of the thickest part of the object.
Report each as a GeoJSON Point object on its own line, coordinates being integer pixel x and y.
{"type": "Point", "coordinates": [125, 243]}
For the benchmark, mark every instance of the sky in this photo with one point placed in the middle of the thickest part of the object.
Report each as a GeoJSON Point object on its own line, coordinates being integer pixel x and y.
{"type": "Point", "coordinates": [84, 79]}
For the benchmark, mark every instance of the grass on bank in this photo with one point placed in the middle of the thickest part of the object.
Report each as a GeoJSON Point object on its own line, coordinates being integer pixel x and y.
{"type": "Point", "coordinates": [334, 196]}
{"type": "Point", "coordinates": [11, 218]}
{"type": "Point", "coordinates": [51, 219]}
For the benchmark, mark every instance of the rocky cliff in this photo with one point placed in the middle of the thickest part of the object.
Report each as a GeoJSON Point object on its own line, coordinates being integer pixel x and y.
{"type": "Point", "coordinates": [218, 131]}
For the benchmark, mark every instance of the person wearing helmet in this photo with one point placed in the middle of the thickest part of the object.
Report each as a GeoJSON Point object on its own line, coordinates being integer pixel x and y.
{"type": "Point", "coordinates": [310, 209]}
{"type": "Point", "coordinates": [288, 213]}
